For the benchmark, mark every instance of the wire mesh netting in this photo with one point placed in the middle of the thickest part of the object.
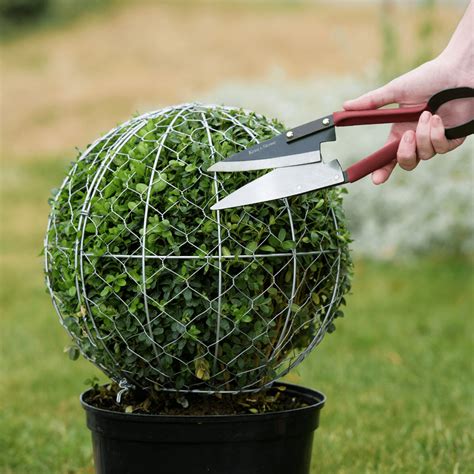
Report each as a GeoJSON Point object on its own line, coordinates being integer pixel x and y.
{"type": "Point", "coordinates": [160, 292]}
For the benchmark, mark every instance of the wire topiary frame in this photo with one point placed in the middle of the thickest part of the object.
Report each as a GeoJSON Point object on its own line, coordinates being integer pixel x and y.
{"type": "Point", "coordinates": [255, 289]}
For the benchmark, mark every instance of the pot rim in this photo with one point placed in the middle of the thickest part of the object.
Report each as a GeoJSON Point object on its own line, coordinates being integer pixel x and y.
{"type": "Point", "coordinates": [305, 392]}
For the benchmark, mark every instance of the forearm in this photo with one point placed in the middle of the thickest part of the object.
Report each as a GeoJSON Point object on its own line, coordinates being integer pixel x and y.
{"type": "Point", "coordinates": [459, 52]}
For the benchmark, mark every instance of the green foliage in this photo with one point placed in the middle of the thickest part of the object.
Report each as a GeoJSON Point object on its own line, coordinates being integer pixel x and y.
{"type": "Point", "coordinates": [23, 10]}
{"type": "Point", "coordinates": [21, 16]}
{"type": "Point", "coordinates": [144, 189]}
{"type": "Point", "coordinates": [390, 63]}
{"type": "Point", "coordinates": [426, 31]}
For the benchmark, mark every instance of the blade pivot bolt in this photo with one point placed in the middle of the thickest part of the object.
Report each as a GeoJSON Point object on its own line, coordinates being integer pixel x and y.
{"type": "Point", "coordinates": [289, 134]}
{"type": "Point", "coordinates": [326, 121]}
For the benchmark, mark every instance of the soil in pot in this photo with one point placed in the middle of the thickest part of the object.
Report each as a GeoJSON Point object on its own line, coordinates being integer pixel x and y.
{"type": "Point", "coordinates": [192, 404]}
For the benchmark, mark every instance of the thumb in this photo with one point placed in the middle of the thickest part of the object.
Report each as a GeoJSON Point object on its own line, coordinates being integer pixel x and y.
{"type": "Point", "coordinates": [372, 100]}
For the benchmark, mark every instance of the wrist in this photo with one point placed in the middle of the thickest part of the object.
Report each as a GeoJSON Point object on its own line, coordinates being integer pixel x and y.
{"type": "Point", "coordinates": [457, 64]}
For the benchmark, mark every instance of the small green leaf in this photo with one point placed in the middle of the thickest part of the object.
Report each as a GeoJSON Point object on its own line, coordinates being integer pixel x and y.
{"type": "Point", "coordinates": [73, 352]}
{"type": "Point", "coordinates": [188, 294]}
{"type": "Point", "coordinates": [315, 298]}
{"type": "Point", "coordinates": [252, 246]}
{"type": "Point", "coordinates": [141, 187]}
{"type": "Point", "coordinates": [319, 204]}
{"type": "Point", "coordinates": [159, 186]}
{"type": "Point", "coordinates": [91, 228]}
{"type": "Point", "coordinates": [226, 251]}
{"type": "Point", "coordinates": [288, 245]}
{"type": "Point", "coordinates": [282, 234]}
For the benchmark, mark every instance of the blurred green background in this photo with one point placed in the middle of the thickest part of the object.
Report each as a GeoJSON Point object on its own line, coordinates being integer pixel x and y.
{"type": "Point", "coordinates": [398, 371]}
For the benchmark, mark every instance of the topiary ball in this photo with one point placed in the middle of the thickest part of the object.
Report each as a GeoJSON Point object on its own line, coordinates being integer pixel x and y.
{"type": "Point", "coordinates": [159, 291]}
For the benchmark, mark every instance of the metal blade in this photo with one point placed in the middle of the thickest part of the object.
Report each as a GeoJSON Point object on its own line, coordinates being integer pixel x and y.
{"type": "Point", "coordinates": [276, 153]}
{"type": "Point", "coordinates": [284, 182]}
{"type": "Point", "coordinates": [262, 164]}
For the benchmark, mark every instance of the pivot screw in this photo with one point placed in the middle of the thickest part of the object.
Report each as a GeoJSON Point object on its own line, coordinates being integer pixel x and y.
{"type": "Point", "coordinates": [289, 134]}
{"type": "Point", "coordinates": [326, 121]}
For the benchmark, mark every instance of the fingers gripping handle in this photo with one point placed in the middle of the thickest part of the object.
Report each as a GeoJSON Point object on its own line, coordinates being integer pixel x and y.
{"type": "Point", "coordinates": [373, 162]}
{"type": "Point", "coordinates": [388, 153]}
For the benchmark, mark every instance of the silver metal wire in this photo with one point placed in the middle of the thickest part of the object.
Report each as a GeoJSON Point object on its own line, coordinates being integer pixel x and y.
{"type": "Point", "coordinates": [94, 329]}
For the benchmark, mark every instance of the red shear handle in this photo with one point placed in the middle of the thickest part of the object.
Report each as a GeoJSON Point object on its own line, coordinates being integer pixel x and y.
{"type": "Point", "coordinates": [386, 154]}
{"type": "Point", "coordinates": [373, 162]}
{"type": "Point", "coordinates": [345, 118]}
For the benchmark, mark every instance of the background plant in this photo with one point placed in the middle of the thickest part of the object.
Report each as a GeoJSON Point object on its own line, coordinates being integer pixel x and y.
{"type": "Point", "coordinates": [24, 16]}
{"type": "Point", "coordinates": [426, 32]}
{"type": "Point", "coordinates": [390, 60]}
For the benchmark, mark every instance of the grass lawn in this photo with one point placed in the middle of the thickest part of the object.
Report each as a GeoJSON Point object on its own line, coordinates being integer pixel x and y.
{"type": "Point", "coordinates": [398, 370]}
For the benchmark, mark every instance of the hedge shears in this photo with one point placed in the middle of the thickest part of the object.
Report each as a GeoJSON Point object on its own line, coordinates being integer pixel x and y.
{"type": "Point", "coordinates": [295, 155]}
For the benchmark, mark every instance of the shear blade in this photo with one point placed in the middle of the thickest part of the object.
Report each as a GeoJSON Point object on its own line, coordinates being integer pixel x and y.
{"type": "Point", "coordinates": [285, 182]}
{"type": "Point", "coordinates": [267, 163]}
{"type": "Point", "coordinates": [275, 153]}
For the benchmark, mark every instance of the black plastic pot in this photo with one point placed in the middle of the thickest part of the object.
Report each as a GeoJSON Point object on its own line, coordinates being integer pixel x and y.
{"type": "Point", "coordinates": [267, 443]}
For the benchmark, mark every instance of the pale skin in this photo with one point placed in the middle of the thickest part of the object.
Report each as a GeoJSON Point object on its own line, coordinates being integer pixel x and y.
{"type": "Point", "coordinates": [454, 67]}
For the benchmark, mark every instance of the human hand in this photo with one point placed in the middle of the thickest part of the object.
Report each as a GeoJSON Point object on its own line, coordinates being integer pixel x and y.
{"type": "Point", "coordinates": [422, 140]}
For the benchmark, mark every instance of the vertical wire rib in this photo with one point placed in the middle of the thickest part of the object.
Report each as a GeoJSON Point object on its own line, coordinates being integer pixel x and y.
{"type": "Point", "coordinates": [282, 337]}
{"type": "Point", "coordinates": [338, 272]}
{"type": "Point", "coordinates": [145, 221]}
{"type": "Point", "coordinates": [322, 330]}
{"type": "Point", "coordinates": [219, 243]}
{"type": "Point", "coordinates": [67, 182]}
{"type": "Point", "coordinates": [79, 244]}
{"type": "Point", "coordinates": [288, 316]}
